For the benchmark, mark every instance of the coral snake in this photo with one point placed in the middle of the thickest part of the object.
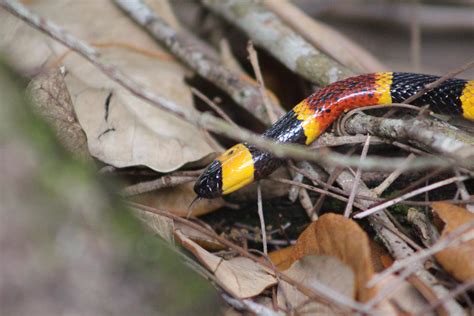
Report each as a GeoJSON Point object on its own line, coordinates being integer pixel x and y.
{"type": "Point", "coordinates": [244, 163]}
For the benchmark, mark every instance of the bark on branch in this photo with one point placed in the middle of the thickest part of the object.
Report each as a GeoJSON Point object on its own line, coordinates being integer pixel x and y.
{"type": "Point", "coordinates": [268, 31]}
{"type": "Point", "coordinates": [434, 136]}
{"type": "Point", "coordinates": [189, 50]}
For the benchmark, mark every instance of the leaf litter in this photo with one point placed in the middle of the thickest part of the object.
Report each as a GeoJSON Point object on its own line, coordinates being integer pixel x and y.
{"type": "Point", "coordinates": [124, 131]}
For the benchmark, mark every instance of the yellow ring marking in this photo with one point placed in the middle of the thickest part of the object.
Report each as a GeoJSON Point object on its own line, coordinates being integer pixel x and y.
{"type": "Point", "coordinates": [310, 125]}
{"type": "Point", "coordinates": [382, 87]}
{"type": "Point", "coordinates": [467, 100]}
{"type": "Point", "coordinates": [237, 168]}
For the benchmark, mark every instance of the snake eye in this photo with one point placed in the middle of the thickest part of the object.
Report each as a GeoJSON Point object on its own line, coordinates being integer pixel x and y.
{"type": "Point", "coordinates": [209, 183]}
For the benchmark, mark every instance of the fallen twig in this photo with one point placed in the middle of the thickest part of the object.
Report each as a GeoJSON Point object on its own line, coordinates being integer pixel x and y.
{"type": "Point", "coordinates": [461, 288]}
{"type": "Point", "coordinates": [391, 178]}
{"type": "Point", "coordinates": [350, 202]}
{"type": "Point", "coordinates": [409, 195]}
{"type": "Point", "coordinates": [183, 46]}
{"type": "Point", "coordinates": [251, 306]}
{"type": "Point", "coordinates": [213, 106]}
{"type": "Point", "coordinates": [318, 190]}
{"type": "Point", "coordinates": [261, 85]}
{"type": "Point", "coordinates": [326, 38]}
{"type": "Point", "coordinates": [433, 135]}
{"type": "Point", "coordinates": [262, 219]}
{"type": "Point", "coordinates": [160, 183]}
{"type": "Point", "coordinates": [267, 30]}
{"type": "Point", "coordinates": [457, 236]}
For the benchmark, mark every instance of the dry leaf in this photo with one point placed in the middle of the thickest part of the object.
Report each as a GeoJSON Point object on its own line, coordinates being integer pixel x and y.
{"type": "Point", "coordinates": [163, 226]}
{"type": "Point", "coordinates": [282, 258]}
{"type": "Point", "coordinates": [121, 129]}
{"type": "Point", "coordinates": [239, 276]}
{"type": "Point", "coordinates": [335, 235]}
{"type": "Point", "coordinates": [51, 98]}
{"type": "Point", "coordinates": [381, 259]}
{"type": "Point", "coordinates": [457, 260]}
{"type": "Point", "coordinates": [405, 297]}
{"type": "Point", "coordinates": [177, 200]}
{"type": "Point", "coordinates": [200, 238]}
{"type": "Point", "coordinates": [309, 270]}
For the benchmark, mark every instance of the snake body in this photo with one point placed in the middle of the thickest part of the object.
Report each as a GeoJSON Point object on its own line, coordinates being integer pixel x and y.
{"type": "Point", "coordinates": [244, 163]}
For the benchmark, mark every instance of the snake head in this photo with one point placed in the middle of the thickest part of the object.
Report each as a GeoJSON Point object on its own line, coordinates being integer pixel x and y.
{"type": "Point", "coordinates": [229, 172]}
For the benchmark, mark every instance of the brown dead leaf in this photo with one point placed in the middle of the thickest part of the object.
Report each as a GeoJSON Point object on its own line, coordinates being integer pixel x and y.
{"type": "Point", "coordinates": [335, 235]}
{"type": "Point", "coordinates": [177, 200]}
{"type": "Point", "coordinates": [380, 256]}
{"type": "Point", "coordinates": [309, 270]}
{"type": "Point", "coordinates": [282, 258]}
{"type": "Point", "coordinates": [239, 276]}
{"type": "Point", "coordinates": [457, 260]}
{"type": "Point", "coordinates": [51, 99]}
{"type": "Point", "coordinates": [199, 238]}
{"type": "Point", "coordinates": [121, 129]}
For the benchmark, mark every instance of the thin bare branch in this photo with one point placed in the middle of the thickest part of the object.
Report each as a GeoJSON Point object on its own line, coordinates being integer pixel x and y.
{"type": "Point", "coordinates": [409, 195]}
{"type": "Point", "coordinates": [194, 53]}
{"type": "Point", "coordinates": [392, 177]}
{"type": "Point", "coordinates": [213, 106]}
{"type": "Point", "coordinates": [160, 183]}
{"type": "Point", "coordinates": [261, 84]}
{"type": "Point", "coordinates": [350, 202]}
{"type": "Point", "coordinates": [457, 236]}
{"type": "Point", "coordinates": [267, 30]}
{"type": "Point", "coordinates": [461, 288]}
{"type": "Point", "coordinates": [262, 219]}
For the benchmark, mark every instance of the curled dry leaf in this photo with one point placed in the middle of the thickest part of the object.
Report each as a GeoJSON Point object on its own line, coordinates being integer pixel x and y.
{"type": "Point", "coordinates": [457, 260]}
{"type": "Point", "coordinates": [309, 270]}
{"type": "Point", "coordinates": [177, 200]}
{"type": "Point", "coordinates": [239, 276]}
{"type": "Point", "coordinates": [335, 235]}
{"type": "Point", "coordinates": [50, 97]}
{"type": "Point", "coordinates": [121, 129]}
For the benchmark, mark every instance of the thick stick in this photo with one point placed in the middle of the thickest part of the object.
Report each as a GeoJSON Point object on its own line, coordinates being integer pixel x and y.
{"type": "Point", "coordinates": [268, 31]}
{"type": "Point", "coordinates": [189, 50]}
